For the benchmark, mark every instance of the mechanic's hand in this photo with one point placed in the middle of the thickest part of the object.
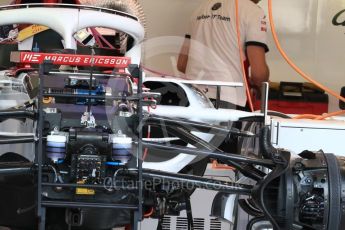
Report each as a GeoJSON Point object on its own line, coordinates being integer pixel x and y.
{"type": "Point", "coordinates": [255, 90]}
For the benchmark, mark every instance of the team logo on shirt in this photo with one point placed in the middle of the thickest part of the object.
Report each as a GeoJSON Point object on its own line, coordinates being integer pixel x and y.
{"type": "Point", "coordinates": [217, 6]}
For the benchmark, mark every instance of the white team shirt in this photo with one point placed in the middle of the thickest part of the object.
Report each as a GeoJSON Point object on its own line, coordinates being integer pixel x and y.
{"type": "Point", "coordinates": [214, 53]}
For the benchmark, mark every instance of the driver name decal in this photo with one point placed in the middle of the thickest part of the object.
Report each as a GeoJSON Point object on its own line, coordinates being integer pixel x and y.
{"type": "Point", "coordinates": [70, 59]}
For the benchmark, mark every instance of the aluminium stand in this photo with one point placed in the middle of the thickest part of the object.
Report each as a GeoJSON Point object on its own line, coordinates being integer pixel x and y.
{"type": "Point", "coordinates": [42, 204]}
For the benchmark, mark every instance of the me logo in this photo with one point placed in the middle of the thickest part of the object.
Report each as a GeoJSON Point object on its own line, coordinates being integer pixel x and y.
{"type": "Point", "coordinates": [34, 58]}
{"type": "Point", "coordinates": [339, 19]}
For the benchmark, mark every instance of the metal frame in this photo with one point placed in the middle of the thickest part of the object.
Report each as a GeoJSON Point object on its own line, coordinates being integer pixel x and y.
{"type": "Point", "coordinates": [41, 203]}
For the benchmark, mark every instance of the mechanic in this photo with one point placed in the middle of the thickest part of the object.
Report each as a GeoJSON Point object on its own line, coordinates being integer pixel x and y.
{"type": "Point", "coordinates": [211, 50]}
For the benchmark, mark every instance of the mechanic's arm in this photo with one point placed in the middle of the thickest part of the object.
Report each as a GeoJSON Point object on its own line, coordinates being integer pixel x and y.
{"type": "Point", "coordinates": [256, 48]}
{"type": "Point", "coordinates": [259, 69]}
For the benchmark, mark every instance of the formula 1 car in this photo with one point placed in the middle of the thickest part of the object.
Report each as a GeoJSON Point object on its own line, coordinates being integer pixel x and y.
{"type": "Point", "coordinates": [79, 153]}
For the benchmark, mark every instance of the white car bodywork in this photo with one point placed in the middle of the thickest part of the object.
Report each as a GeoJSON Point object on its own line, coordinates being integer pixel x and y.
{"type": "Point", "coordinates": [197, 102]}
{"type": "Point", "coordinates": [292, 134]}
{"type": "Point", "coordinates": [200, 109]}
{"type": "Point", "coordinates": [313, 135]}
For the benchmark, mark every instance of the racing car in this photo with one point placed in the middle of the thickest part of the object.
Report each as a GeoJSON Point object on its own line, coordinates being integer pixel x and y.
{"type": "Point", "coordinates": [79, 150]}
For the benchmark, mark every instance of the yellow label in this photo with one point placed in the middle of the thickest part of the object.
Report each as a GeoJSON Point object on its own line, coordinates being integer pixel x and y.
{"type": "Point", "coordinates": [30, 31]}
{"type": "Point", "coordinates": [85, 191]}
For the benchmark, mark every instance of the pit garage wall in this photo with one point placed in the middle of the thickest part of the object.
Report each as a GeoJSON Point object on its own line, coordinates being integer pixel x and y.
{"type": "Point", "coordinates": [304, 28]}
{"type": "Point", "coordinates": [5, 2]}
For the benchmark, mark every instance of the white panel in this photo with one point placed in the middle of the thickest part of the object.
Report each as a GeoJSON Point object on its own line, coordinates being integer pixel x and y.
{"type": "Point", "coordinates": [300, 135]}
{"type": "Point", "coordinates": [330, 47]}
{"type": "Point", "coordinates": [295, 22]}
{"type": "Point", "coordinates": [167, 23]}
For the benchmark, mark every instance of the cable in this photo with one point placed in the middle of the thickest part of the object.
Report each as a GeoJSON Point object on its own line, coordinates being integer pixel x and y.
{"type": "Point", "coordinates": [147, 215]}
{"type": "Point", "coordinates": [330, 115]}
{"type": "Point", "coordinates": [117, 172]}
{"type": "Point", "coordinates": [250, 101]}
{"type": "Point", "coordinates": [55, 173]}
{"type": "Point", "coordinates": [306, 116]}
{"type": "Point", "coordinates": [298, 70]}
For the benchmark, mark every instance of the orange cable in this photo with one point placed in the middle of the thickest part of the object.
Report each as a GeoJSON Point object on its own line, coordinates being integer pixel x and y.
{"type": "Point", "coordinates": [330, 115]}
{"type": "Point", "coordinates": [250, 102]}
{"type": "Point", "coordinates": [297, 69]}
{"type": "Point", "coordinates": [306, 116]}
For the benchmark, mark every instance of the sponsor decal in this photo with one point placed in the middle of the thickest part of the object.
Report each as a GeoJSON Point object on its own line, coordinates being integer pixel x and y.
{"type": "Point", "coordinates": [217, 6]}
{"type": "Point", "coordinates": [70, 59]}
{"type": "Point", "coordinates": [339, 18]}
{"type": "Point", "coordinates": [213, 17]}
